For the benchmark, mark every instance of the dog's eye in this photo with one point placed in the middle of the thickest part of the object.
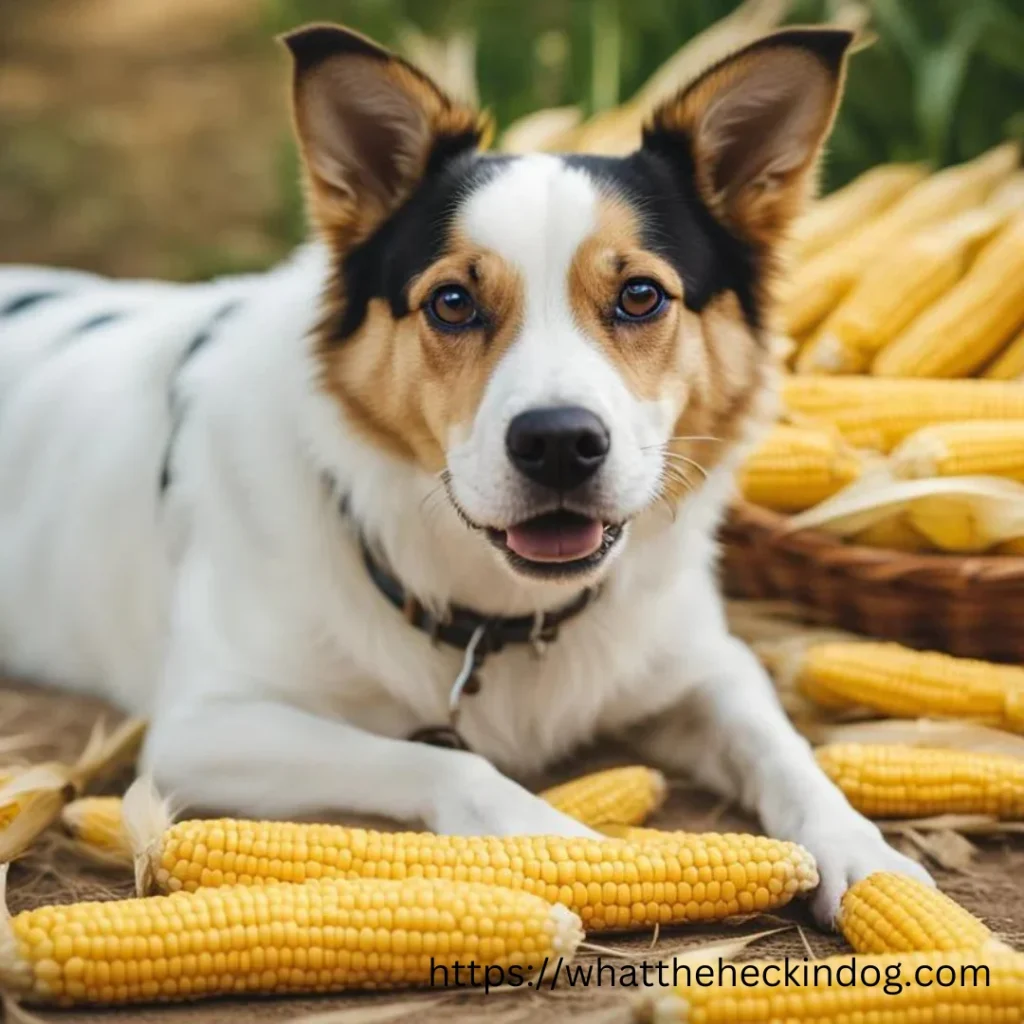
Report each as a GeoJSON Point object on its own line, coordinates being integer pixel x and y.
{"type": "Point", "coordinates": [452, 307]}
{"type": "Point", "coordinates": [640, 299]}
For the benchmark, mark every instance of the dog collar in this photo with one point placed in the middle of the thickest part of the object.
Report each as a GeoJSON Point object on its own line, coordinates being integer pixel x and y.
{"type": "Point", "coordinates": [477, 636]}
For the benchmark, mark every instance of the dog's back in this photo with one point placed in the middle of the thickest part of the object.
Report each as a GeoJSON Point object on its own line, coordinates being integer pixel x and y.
{"type": "Point", "coordinates": [87, 372]}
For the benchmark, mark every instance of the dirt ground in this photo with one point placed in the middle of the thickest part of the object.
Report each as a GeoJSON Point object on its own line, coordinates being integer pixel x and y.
{"type": "Point", "coordinates": [56, 726]}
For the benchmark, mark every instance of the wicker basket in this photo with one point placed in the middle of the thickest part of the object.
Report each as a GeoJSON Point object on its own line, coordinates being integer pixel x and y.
{"type": "Point", "coordinates": [971, 606]}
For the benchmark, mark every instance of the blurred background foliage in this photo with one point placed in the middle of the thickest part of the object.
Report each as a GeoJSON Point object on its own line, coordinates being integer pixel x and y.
{"type": "Point", "coordinates": [150, 137]}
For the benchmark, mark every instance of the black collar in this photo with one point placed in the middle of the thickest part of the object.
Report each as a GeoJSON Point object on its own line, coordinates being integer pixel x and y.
{"type": "Point", "coordinates": [476, 635]}
{"type": "Point", "coordinates": [461, 627]}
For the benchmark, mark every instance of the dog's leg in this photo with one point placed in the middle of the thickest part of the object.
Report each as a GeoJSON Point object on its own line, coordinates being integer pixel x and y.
{"type": "Point", "coordinates": [731, 733]}
{"type": "Point", "coordinates": [262, 759]}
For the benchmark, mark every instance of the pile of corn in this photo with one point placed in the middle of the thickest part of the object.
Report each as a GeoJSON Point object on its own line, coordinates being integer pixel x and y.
{"type": "Point", "coordinates": [903, 416]}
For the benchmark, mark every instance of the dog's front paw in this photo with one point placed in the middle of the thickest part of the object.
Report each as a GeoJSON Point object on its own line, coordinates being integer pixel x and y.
{"type": "Point", "coordinates": [846, 854]}
{"type": "Point", "coordinates": [479, 801]}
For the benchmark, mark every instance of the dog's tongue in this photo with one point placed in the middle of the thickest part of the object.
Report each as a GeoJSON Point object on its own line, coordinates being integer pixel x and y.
{"type": "Point", "coordinates": [555, 538]}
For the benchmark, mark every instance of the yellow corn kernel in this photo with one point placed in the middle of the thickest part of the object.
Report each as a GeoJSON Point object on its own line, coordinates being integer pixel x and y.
{"type": "Point", "coordinates": [875, 413]}
{"type": "Point", "coordinates": [625, 796]}
{"type": "Point", "coordinates": [894, 290]}
{"type": "Point", "coordinates": [320, 937]}
{"type": "Point", "coordinates": [795, 467]}
{"type": "Point", "coordinates": [96, 822]}
{"type": "Point", "coordinates": [894, 534]}
{"type": "Point", "coordinates": [926, 988]}
{"type": "Point", "coordinates": [892, 913]}
{"type": "Point", "coordinates": [979, 448]}
{"type": "Point", "coordinates": [815, 288]}
{"type": "Point", "coordinates": [962, 331]}
{"type": "Point", "coordinates": [894, 781]}
{"type": "Point", "coordinates": [1009, 364]}
{"type": "Point", "coordinates": [838, 214]}
{"type": "Point", "coordinates": [898, 681]}
{"type": "Point", "coordinates": [609, 883]}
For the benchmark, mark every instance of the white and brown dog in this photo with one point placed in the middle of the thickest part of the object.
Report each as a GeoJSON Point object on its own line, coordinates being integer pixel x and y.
{"type": "Point", "coordinates": [468, 450]}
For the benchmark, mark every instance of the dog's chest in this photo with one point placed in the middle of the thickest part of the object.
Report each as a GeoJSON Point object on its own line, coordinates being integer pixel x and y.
{"type": "Point", "coordinates": [530, 706]}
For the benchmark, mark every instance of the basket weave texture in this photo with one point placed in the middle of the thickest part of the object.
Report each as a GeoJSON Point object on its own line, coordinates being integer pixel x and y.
{"type": "Point", "coordinates": [972, 606]}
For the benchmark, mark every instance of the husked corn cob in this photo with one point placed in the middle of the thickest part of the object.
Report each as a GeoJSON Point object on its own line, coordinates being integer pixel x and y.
{"type": "Point", "coordinates": [876, 413]}
{"type": "Point", "coordinates": [891, 913]}
{"type": "Point", "coordinates": [835, 216]}
{"type": "Point", "coordinates": [817, 286]}
{"type": "Point", "coordinates": [961, 524]}
{"type": "Point", "coordinates": [894, 781]}
{"type": "Point", "coordinates": [992, 448]}
{"type": "Point", "coordinates": [962, 331]}
{"type": "Point", "coordinates": [1009, 365]}
{"type": "Point", "coordinates": [895, 680]}
{"type": "Point", "coordinates": [622, 795]}
{"type": "Point", "coordinates": [610, 883]}
{"type": "Point", "coordinates": [894, 290]}
{"type": "Point", "coordinates": [320, 937]}
{"type": "Point", "coordinates": [895, 988]}
{"type": "Point", "coordinates": [894, 533]}
{"type": "Point", "coordinates": [96, 822]}
{"type": "Point", "coordinates": [797, 467]}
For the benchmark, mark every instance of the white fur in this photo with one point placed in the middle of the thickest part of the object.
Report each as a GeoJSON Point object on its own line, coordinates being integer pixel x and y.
{"type": "Point", "coordinates": [535, 215]}
{"type": "Point", "coordinates": [235, 610]}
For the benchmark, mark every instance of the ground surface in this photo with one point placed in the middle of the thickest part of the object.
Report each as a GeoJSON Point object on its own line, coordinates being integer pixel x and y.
{"type": "Point", "coordinates": [992, 886]}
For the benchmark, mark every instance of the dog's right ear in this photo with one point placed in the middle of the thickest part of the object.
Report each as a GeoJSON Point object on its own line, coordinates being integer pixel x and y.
{"type": "Point", "coordinates": [370, 127]}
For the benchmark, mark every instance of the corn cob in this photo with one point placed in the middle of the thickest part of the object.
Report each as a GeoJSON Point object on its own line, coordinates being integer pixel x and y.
{"type": "Point", "coordinates": [895, 680]}
{"type": "Point", "coordinates": [817, 286]}
{"type": "Point", "coordinates": [893, 291]}
{"type": "Point", "coordinates": [610, 883]}
{"type": "Point", "coordinates": [994, 448]}
{"type": "Point", "coordinates": [882, 989]}
{"type": "Point", "coordinates": [960, 523]}
{"type": "Point", "coordinates": [623, 795]}
{"type": "Point", "coordinates": [874, 413]}
{"type": "Point", "coordinates": [893, 781]}
{"type": "Point", "coordinates": [795, 468]}
{"type": "Point", "coordinates": [96, 822]}
{"type": "Point", "coordinates": [894, 534]}
{"type": "Point", "coordinates": [1009, 365]}
{"type": "Point", "coordinates": [962, 331]}
{"type": "Point", "coordinates": [836, 215]}
{"type": "Point", "coordinates": [891, 913]}
{"type": "Point", "coordinates": [320, 937]}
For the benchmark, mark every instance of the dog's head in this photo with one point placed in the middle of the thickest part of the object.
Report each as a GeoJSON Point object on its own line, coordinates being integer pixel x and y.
{"type": "Point", "coordinates": [565, 339]}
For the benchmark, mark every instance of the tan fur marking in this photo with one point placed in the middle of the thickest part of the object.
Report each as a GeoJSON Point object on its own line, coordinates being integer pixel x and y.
{"type": "Point", "coordinates": [710, 367]}
{"type": "Point", "coordinates": [406, 385]}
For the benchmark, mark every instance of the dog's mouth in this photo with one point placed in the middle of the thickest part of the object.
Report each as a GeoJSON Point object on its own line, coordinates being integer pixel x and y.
{"type": "Point", "coordinates": [556, 543]}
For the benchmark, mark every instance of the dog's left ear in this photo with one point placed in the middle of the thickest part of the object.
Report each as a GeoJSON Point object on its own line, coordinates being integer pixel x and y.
{"type": "Point", "coordinates": [370, 126]}
{"type": "Point", "coordinates": [750, 128]}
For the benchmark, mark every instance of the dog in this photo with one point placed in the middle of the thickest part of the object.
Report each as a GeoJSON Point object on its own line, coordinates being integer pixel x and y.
{"type": "Point", "coordinates": [434, 502]}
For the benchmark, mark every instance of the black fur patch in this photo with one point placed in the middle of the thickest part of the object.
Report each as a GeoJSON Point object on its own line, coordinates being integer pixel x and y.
{"type": "Point", "coordinates": [658, 181]}
{"type": "Point", "coordinates": [413, 238]}
{"type": "Point", "coordinates": [100, 320]}
{"type": "Point", "coordinates": [26, 301]}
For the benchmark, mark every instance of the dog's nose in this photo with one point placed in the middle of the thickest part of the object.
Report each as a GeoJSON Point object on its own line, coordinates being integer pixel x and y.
{"type": "Point", "coordinates": [558, 447]}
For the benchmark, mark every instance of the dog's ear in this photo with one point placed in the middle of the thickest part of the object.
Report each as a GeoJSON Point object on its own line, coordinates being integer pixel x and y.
{"type": "Point", "coordinates": [750, 128]}
{"type": "Point", "coordinates": [370, 127]}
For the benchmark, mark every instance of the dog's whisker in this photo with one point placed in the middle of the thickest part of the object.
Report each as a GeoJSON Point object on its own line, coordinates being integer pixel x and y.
{"type": "Point", "coordinates": [689, 462]}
